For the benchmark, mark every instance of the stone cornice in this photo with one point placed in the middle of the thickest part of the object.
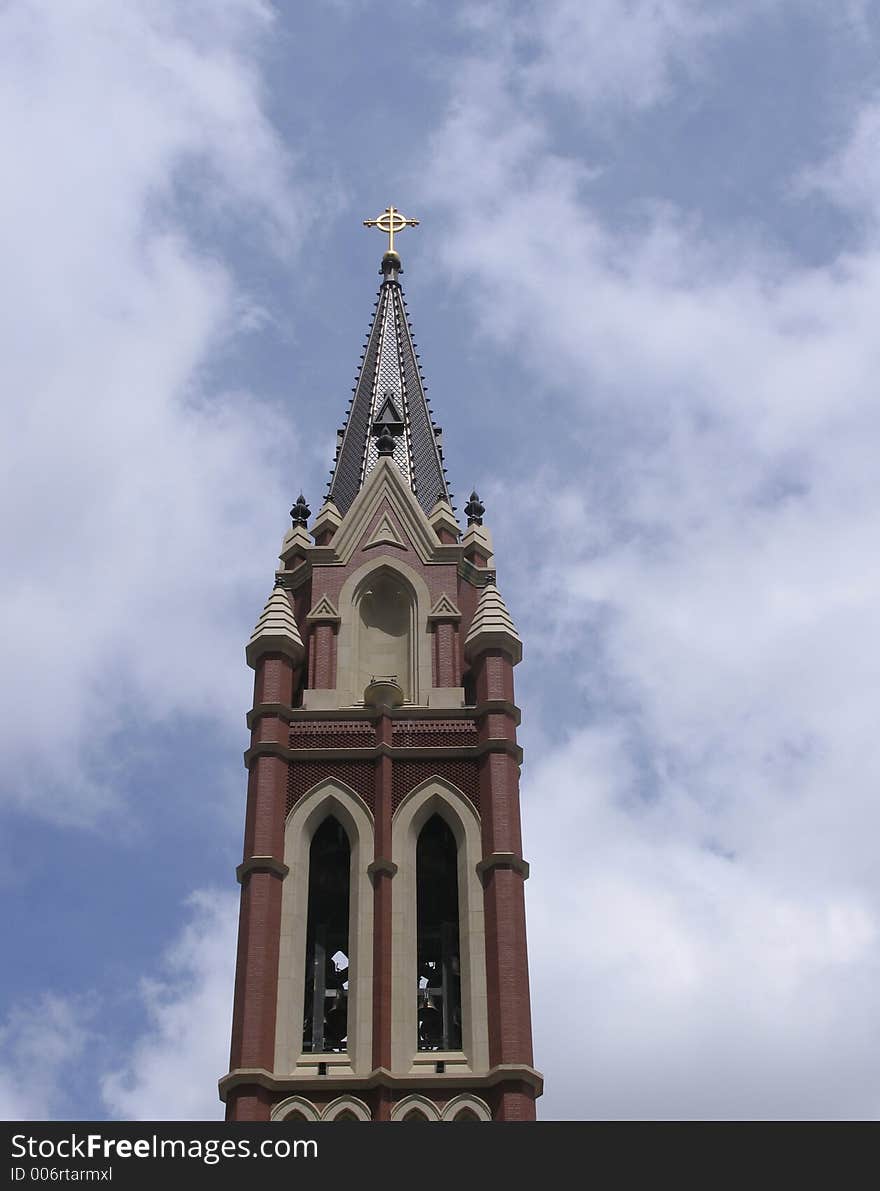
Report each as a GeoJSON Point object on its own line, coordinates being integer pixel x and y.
{"type": "Point", "coordinates": [503, 860]}
{"type": "Point", "coordinates": [297, 715]}
{"type": "Point", "coordinates": [261, 864]}
{"type": "Point", "coordinates": [293, 580]}
{"type": "Point", "coordinates": [478, 576]}
{"type": "Point", "coordinates": [382, 1077]}
{"type": "Point", "coordinates": [381, 866]}
{"type": "Point", "coordinates": [439, 753]}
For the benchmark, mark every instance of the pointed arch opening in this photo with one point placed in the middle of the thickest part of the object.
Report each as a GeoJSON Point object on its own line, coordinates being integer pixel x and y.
{"type": "Point", "coordinates": [438, 951]}
{"type": "Point", "coordinates": [325, 1018]}
{"type": "Point", "coordinates": [438, 797]}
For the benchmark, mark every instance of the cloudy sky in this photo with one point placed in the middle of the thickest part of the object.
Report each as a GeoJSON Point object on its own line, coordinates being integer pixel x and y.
{"type": "Point", "coordinates": [646, 290]}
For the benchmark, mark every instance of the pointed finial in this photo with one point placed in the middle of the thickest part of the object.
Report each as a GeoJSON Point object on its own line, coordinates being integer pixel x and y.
{"type": "Point", "coordinates": [300, 512]}
{"type": "Point", "coordinates": [474, 509]}
{"type": "Point", "coordinates": [390, 222]}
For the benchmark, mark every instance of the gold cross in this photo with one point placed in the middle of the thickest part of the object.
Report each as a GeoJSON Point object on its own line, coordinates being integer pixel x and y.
{"type": "Point", "coordinates": [391, 221]}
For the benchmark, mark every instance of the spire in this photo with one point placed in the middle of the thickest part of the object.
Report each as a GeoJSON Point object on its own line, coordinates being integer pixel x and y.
{"type": "Point", "coordinates": [276, 630]}
{"type": "Point", "coordinates": [389, 413]}
{"type": "Point", "coordinates": [492, 627]}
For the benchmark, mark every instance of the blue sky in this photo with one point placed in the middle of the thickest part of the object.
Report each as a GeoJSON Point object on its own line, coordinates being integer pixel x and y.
{"type": "Point", "coordinates": [645, 288]}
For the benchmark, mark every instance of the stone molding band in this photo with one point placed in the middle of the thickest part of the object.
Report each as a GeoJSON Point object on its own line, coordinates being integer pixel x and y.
{"type": "Point", "coordinates": [293, 715]}
{"type": "Point", "coordinates": [382, 1077]}
{"type": "Point", "coordinates": [503, 860]}
{"type": "Point", "coordinates": [261, 864]}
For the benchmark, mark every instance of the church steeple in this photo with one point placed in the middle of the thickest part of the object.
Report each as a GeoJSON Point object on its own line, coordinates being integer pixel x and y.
{"type": "Point", "coordinates": [389, 397]}
{"type": "Point", "coordinates": [382, 969]}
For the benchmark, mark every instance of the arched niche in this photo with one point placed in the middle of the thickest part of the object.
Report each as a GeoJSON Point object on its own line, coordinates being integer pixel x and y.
{"type": "Point", "coordinates": [385, 630]}
{"type": "Point", "coordinates": [295, 1108]}
{"type": "Point", "coordinates": [346, 1108]}
{"type": "Point", "coordinates": [467, 1107]}
{"type": "Point", "coordinates": [436, 796]}
{"type": "Point", "coordinates": [328, 798]}
{"type": "Point", "coordinates": [366, 641]}
{"type": "Point", "coordinates": [415, 1108]}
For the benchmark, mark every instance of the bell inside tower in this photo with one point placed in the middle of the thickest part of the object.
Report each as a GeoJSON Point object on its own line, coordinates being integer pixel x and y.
{"type": "Point", "coordinates": [325, 1024]}
{"type": "Point", "coordinates": [439, 967]}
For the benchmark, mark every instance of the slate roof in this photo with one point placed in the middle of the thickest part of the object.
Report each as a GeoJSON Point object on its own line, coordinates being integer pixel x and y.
{"type": "Point", "coordinates": [390, 389]}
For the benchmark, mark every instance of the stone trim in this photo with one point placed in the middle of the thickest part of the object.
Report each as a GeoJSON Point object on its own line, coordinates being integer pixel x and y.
{"type": "Point", "coordinates": [292, 578]}
{"type": "Point", "coordinates": [297, 543]}
{"type": "Point", "coordinates": [444, 609]}
{"type": "Point", "coordinates": [503, 860]}
{"type": "Point", "coordinates": [324, 612]}
{"type": "Point", "coordinates": [476, 576]}
{"type": "Point", "coordinates": [478, 1107]}
{"type": "Point", "coordinates": [344, 1103]}
{"type": "Point", "coordinates": [294, 715]}
{"type": "Point", "coordinates": [294, 1104]}
{"type": "Point", "coordinates": [425, 1107]}
{"type": "Point", "coordinates": [386, 482]}
{"type": "Point", "coordinates": [492, 627]}
{"type": "Point", "coordinates": [437, 795]}
{"type": "Point", "coordinates": [381, 866]}
{"type": "Point", "coordinates": [261, 864]}
{"type": "Point", "coordinates": [381, 1077]}
{"type": "Point", "coordinates": [276, 631]}
{"type": "Point", "coordinates": [329, 796]}
{"type": "Point", "coordinates": [385, 534]}
{"type": "Point", "coordinates": [328, 517]}
{"type": "Point", "coordinates": [419, 679]}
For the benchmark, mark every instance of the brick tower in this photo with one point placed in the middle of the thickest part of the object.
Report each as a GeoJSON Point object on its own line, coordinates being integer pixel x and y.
{"type": "Point", "coordinates": [382, 970]}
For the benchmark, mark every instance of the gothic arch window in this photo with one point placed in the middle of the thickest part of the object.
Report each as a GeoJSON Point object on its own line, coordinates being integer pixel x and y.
{"type": "Point", "coordinates": [453, 847]}
{"type": "Point", "coordinates": [325, 1016]}
{"type": "Point", "coordinates": [438, 953]}
{"type": "Point", "coordinates": [386, 631]}
{"type": "Point", "coordinates": [294, 1053]}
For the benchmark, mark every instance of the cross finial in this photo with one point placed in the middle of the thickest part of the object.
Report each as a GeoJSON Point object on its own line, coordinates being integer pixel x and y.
{"type": "Point", "coordinates": [389, 222]}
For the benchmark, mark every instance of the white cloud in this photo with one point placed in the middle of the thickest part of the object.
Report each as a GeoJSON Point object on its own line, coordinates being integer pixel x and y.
{"type": "Point", "coordinates": [172, 1068]}
{"type": "Point", "coordinates": [611, 54]}
{"type": "Point", "coordinates": [701, 816]}
{"type": "Point", "coordinates": [39, 1044]}
{"type": "Point", "coordinates": [129, 479]}
{"type": "Point", "coordinates": [851, 176]}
